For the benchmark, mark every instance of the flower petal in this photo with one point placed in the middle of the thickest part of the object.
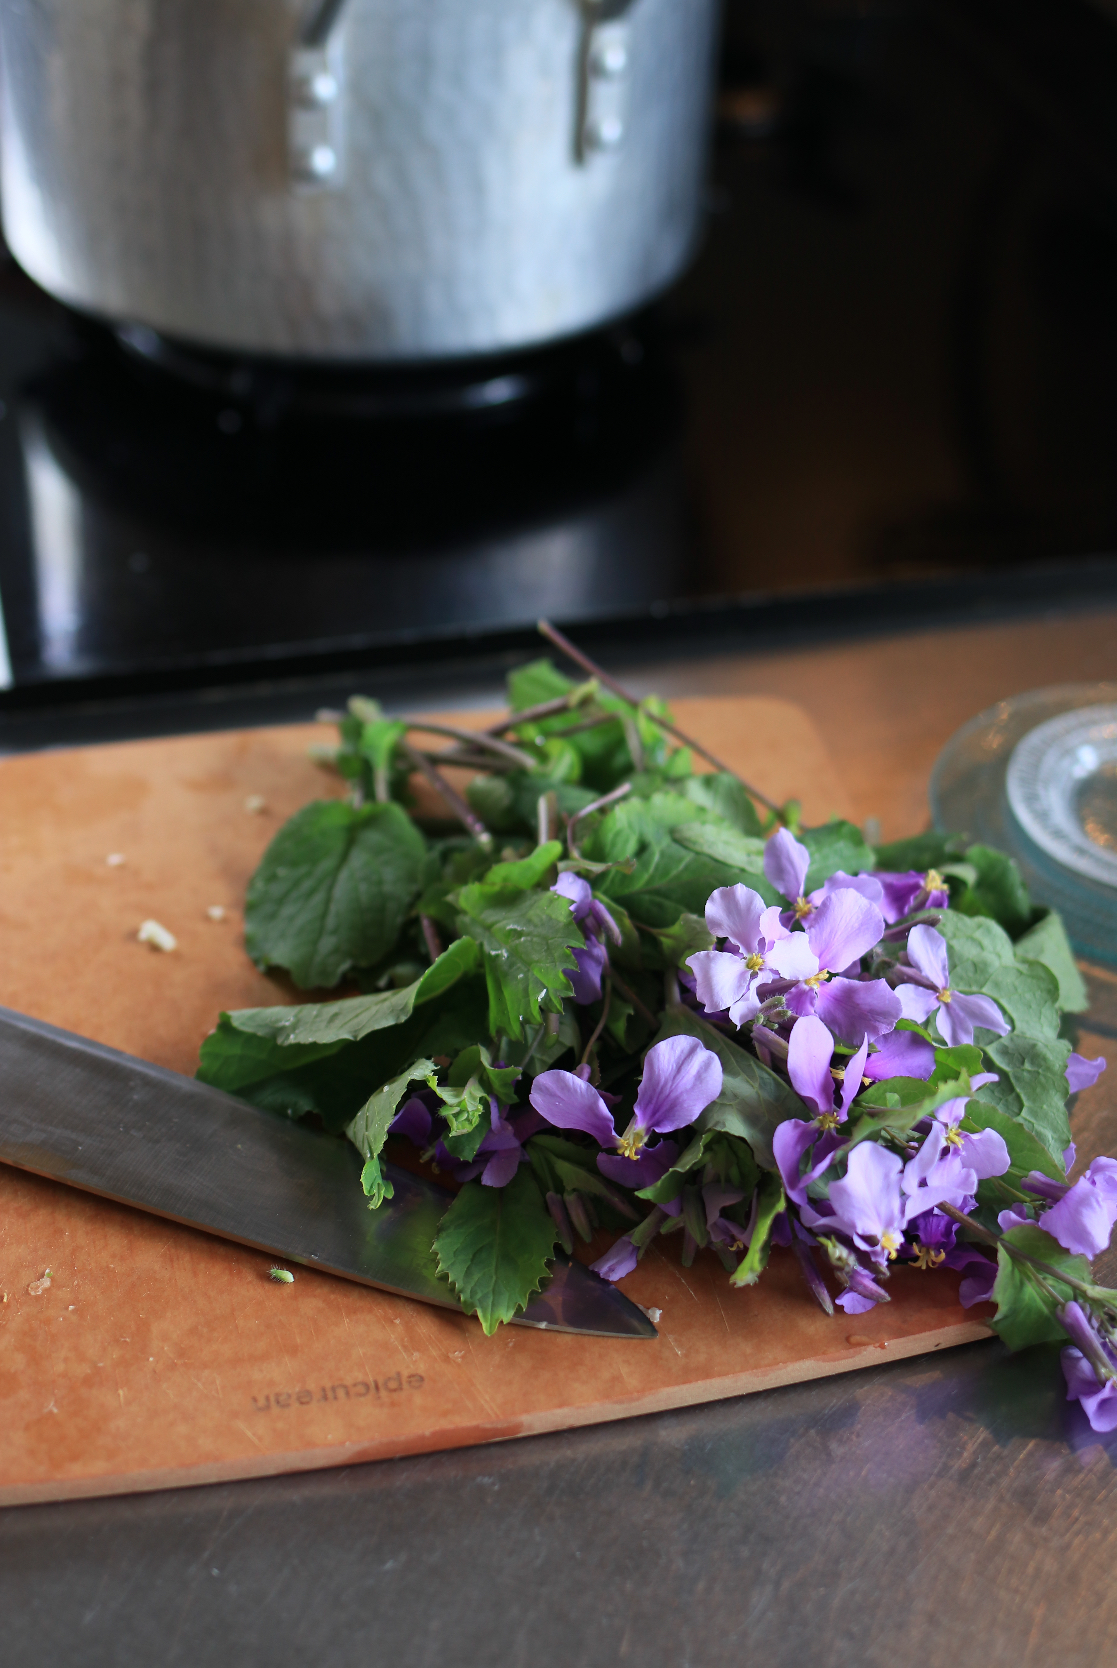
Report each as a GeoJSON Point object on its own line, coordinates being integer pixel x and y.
{"type": "Point", "coordinates": [843, 928]}
{"type": "Point", "coordinates": [572, 886]}
{"type": "Point", "coordinates": [569, 1103]}
{"type": "Point", "coordinates": [858, 1008]}
{"type": "Point", "coordinates": [979, 1010]}
{"type": "Point", "coordinates": [927, 952]}
{"type": "Point", "coordinates": [867, 1199]}
{"type": "Point", "coordinates": [1083, 1073]}
{"type": "Point", "coordinates": [790, 1140]}
{"type": "Point", "coordinates": [681, 1078]}
{"type": "Point", "coordinates": [652, 1164]}
{"type": "Point", "coordinates": [734, 912]}
{"type": "Point", "coordinates": [720, 979]}
{"type": "Point", "coordinates": [900, 1054]}
{"type": "Point", "coordinates": [792, 957]}
{"type": "Point", "coordinates": [809, 1052]}
{"type": "Point", "coordinates": [1082, 1221]}
{"type": "Point", "coordinates": [786, 862]}
{"type": "Point", "coordinates": [590, 962]}
{"type": "Point", "coordinates": [618, 1261]}
{"type": "Point", "coordinates": [916, 1002]}
{"type": "Point", "coordinates": [502, 1166]}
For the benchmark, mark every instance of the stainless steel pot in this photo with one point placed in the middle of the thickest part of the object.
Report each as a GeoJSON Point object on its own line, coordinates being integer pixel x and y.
{"type": "Point", "coordinates": [355, 179]}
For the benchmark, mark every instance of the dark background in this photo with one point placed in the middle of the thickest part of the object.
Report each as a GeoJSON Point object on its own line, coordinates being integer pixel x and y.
{"type": "Point", "coordinates": [883, 393]}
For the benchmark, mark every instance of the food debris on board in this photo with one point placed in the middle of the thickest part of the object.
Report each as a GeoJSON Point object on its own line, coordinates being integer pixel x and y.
{"type": "Point", "coordinates": [153, 933]}
{"type": "Point", "coordinates": [38, 1287]}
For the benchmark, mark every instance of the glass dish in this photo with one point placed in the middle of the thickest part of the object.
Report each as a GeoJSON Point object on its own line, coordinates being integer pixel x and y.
{"type": "Point", "coordinates": [1037, 776]}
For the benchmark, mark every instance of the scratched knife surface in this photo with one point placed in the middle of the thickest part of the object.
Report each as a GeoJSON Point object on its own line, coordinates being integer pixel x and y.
{"type": "Point", "coordinates": [80, 1113]}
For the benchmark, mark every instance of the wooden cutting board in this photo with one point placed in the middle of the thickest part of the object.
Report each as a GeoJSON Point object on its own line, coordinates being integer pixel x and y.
{"type": "Point", "coordinates": [158, 1356]}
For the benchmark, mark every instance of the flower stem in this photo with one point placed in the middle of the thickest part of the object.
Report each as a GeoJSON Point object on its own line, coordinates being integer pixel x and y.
{"type": "Point", "coordinates": [479, 739]}
{"type": "Point", "coordinates": [449, 795]}
{"type": "Point", "coordinates": [631, 996]}
{"type": "Point", "coordinates": [600, 1026]}
{"type": "Point", "coordinates": [597, 805]}
{"type": "Point", "coordinates": [546, 629]}
{"type": "Point", "coordinates": [1094, 1293]}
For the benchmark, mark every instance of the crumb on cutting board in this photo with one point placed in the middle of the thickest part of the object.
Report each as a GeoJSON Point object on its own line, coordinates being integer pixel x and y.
{"type": "Point", "coordinates": [216, 912]}
{"type": "Point", "coordinates": [155, 934]}
{"type": "Point", "coordinates": [255, 803]}
{"type": "Point", "coordinates": [38, 1287]}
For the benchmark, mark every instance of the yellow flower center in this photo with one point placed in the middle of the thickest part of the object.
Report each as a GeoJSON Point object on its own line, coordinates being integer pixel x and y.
{"type": "Point", "coordinates": [954, 1136]}
{"type": "Point", "coordinates": [934, 881]}
{"type": "Point", "coordinates": [944, 995]}
{"type": "Point", "coordinates": [827, 1121]}
{"type": "Point", "coordinates": [754, 963]}
{"type": "Point", "coordinates": [816, 979]}
{"type": "Point", "coordinates": [891, 1241]}
{"type": "Point", "coordinates": [631, 1142]}
{"type": "Point", "coordinates": [802, 907]}
{"type": "Point", "coordinates": [926, 1258]}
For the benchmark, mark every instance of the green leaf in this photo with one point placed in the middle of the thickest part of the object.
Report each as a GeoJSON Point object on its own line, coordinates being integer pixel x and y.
{"type": "Point", "coordinates": [528, 939]}
{"type": "Point", "coordinates": [1048, 944]}
{"type": "Point", "coordinates": [836, 845]}
{"type": "Point", "coordinates": [1036, 1091]}
{"type": "Point", "coordinates": [322, 1025]}
{"type": "Point", "coordinates": [731, 1159]}
{"type": "Point", "coordinates": [976, 946]}
{"type": "Point", "coordinates": [899, 1109]}
{"type": "Point", "coordinates": [726, 796]}
{"type": "Point", "coordinates": [666, 877]}
{"type": "Point", "coordinates": [369, 1129]}
{"type": "Point", "coordinates": [1025, 1314]}
{"type": "Point", "coordinates": [770, 1202]}
{"type": "Point", "coordinates": [999, 890]}
{"type": "Point", "coordinates": [688, 935]}
{"type": "Point", "coordinates": [528, 871]}
{"type": "Point", "coordinates": [549, 1049]}
{"type": "Point", "coordinates": [723, 843]}
{"type": "Point", "coordinates": [1028, 994]}
{"type": "Point", "coordinates": [920, 852]}
{"type": "Point", "coordinates": [493, 799]}
{"type": "Point", "coordinates": [234, 1056]}
{"type": "Point", "coordinates": [332, 890]}
{"type": "Point", "coordinates": [538, 681]}
{"type": "Point", "coordinates": [753, 1100]}
{"type": "Point", "coordinates": [952, 1062]}
{"type": "Point", "coordinates": [494, 1245]}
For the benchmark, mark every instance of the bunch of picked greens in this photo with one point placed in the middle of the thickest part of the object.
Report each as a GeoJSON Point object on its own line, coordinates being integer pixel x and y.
{"type": "Point", "coordinates": [614, 994]}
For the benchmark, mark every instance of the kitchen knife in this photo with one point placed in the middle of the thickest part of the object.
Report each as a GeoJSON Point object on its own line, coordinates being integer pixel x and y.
{"type": "Point", "coordinates": [96, 1119]}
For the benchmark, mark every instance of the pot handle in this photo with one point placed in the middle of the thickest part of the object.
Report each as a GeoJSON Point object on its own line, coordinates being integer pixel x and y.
{"type": "Point", "coordinates": [315, 113]}
{"type": "Point", "coordinates": [603, 62]}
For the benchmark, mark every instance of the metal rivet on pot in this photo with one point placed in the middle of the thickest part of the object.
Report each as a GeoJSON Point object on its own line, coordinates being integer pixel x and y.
{"type": "Point", "coordinates": [610, 59]}
{"type": "Point", "coordinates": [606, 134]}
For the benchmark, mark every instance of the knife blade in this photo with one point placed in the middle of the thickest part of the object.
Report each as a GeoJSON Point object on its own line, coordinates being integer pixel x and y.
{"type": "Point", "coordinates": [78, 1112]}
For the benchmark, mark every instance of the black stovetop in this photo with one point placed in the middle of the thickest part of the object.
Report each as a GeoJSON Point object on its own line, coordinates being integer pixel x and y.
{"type": "Point", "coordinates": [884, 393]}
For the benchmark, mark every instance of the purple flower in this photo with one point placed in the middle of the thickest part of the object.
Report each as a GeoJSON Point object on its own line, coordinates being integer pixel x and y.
{"type": "Point", "coordinates": [1090, 1370]}
{"type": "Point", "coordinates": [978, 1285]}
{"type": "Point", "coordinates": [502, 1149]}
{"type": "Point", "coordinates": [984, 1151]}
{"type": "Point", "coordinates": [907, 892]}
{"type": "Point", "coordinates": [810, 1052]}
{"type": "Point", "coordinates": [680, 1080]}
{"type": "Point", "coordinates": [1083, 1073]}
{"type": "Point", "coordinates": [620, 1259]}
{"type": "Point", "coordinates": [1082, 1220]}
{"type": "Point", "coordinates": [929, 990]}
{"type": "Point", "coordinates": [757, 945]}
{"type": "Point", "coordinates": [900, 1054]}
{"type": "Point", "coordinates": [786, 861]}
{"type": "Point", "coordinates": [652, 1164]}
{"type": "Point", "coordinates": [839, 933]}
{"type": "Point", "coordinates": [791, 1140]}
{"type": "Point", "coordinates": [867, 1202]}
{"type": "Point", "coordinates": [413, 1120]}
{"type": "Point", "coordinates": [595, 921]}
